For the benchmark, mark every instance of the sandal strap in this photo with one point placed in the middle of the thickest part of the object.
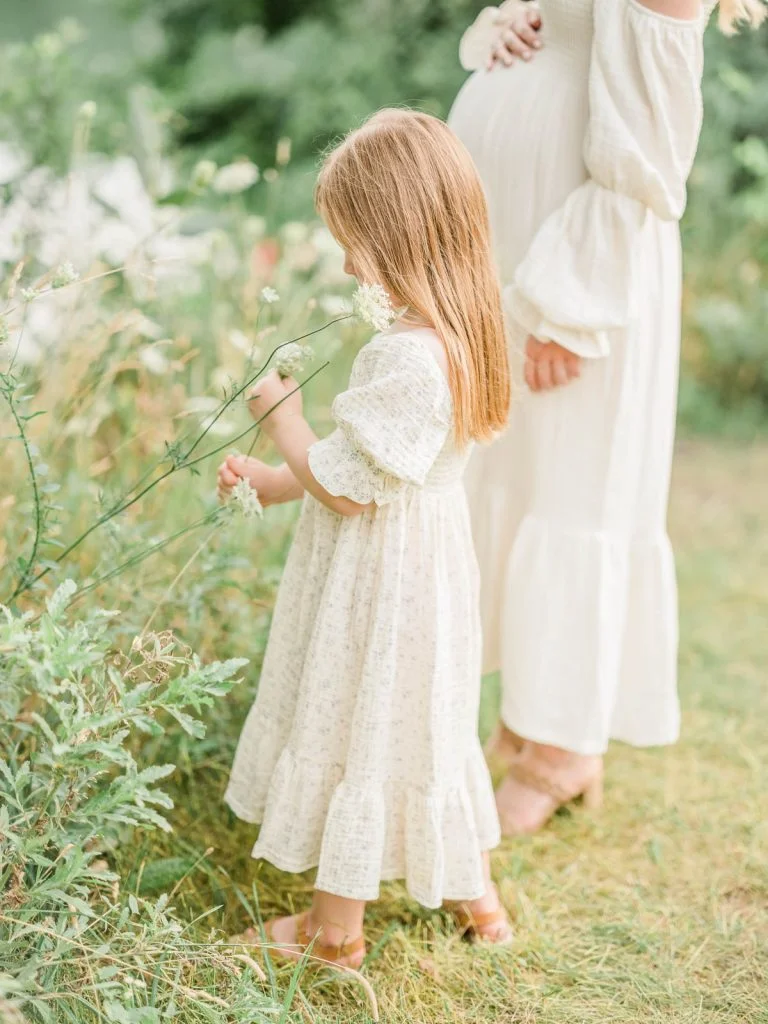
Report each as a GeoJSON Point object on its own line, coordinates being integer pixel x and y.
{"type": "Point", "coordinates": [542, 784]}
{"type": "Point", "coordinates": [323, 951]}
{"type": "Point", "coordinates": [476, 922]}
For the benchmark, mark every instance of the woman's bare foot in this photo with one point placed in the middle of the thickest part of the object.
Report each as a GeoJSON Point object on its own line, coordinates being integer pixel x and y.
{"type": "Point", "coordinates": [540, 780]}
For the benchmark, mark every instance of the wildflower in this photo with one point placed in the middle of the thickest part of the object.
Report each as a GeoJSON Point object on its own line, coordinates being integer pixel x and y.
{"type": "Point", "coordinates": [3, 330]}
{"type": "Point", "coordinates": [269, 295]}
{"type": "Point", "coordinates": [255, 227]}
{"type": "Point", "coordinates": [154, 360]}
{"type": "Point", "coordinates": [291, 358]}
{"type": "Point", "coordinates": [294, 232]}
{"type": "Point", "coordinates": [283, 155]}
{"type": "Point", "coordinates": [28, 294]}
{"type": "Point", "coordinates": [246, 499]}
{"type": "Point", "coordinates": [372, 305]}
{"type": "Point", "coordinates": [202, 175]}
{"type": "Point", "coordinates": [87, 111]}
{"type": "Point", "coordinates": [64, 274]}
{"type": "Point", "coordinates": [236, 177]}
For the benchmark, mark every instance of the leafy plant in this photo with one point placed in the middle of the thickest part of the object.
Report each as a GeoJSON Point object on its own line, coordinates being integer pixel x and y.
{"type": "Point", "coordinates": [73, 944]}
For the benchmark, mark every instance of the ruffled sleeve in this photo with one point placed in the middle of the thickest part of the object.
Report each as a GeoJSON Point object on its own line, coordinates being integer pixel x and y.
{"type": "Point", "coordinates": [575, 285]}
{"type": "Point", "coordinates": [391, 424]}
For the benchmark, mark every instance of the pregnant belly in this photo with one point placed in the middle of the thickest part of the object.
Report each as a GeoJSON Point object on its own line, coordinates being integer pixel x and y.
{"type": "Point", "coordinates": [524, 127]}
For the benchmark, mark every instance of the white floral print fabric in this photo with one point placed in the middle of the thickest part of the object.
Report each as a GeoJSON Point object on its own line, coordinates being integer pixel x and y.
{"type": "Point", "coordinates": [360, 755]}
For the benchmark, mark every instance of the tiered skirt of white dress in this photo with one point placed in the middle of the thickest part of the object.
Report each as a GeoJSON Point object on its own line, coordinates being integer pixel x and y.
{"type": "Point", "coordinates": [360, 755]}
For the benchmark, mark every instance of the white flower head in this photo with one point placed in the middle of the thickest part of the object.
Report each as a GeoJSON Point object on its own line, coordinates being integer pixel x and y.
{"type": "Point", "coordinates": [292, 358]}
{"type": "Point", "coordinates": [64, 274]}
{"type": "Point", "coordinates": [269, 295]}
{"type": "Point", "coordinates": [28, 294]}
{"type": "Point", "coordinates": [246, 499]}
{"type": "Point", "coordinates": [373, 306]}
{"type": "Point", "coordinates": [236, 177]}
{"type": "Point", "coordinates": [202, 175]}
{"type": "Point", "coordinates": [87, 110]}
{"type": "Point", "coordinates": [154, 360]}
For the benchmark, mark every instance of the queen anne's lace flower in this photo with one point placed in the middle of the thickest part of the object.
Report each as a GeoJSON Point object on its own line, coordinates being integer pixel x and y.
{"type": "Point", "coordinates": [202, 175]}
{"type": "Point", "coordinates": [372, 305]}
{"type": "Point", "coordinates": [64, 274]}
{"type": "Point", "coordinates": [246, 499]}
{"type": "Point", "coordinates": [291, 359]}
{"type": "Point", "coordinates": [269, 295]}
{"type": "Point", "coordinates": [236, 177]}
{"type": "Point", "coordinates": [28, 294]}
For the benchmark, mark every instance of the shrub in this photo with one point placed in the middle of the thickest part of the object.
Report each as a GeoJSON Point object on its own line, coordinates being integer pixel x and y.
{"type": "Point", "coordinates": [73, 944]}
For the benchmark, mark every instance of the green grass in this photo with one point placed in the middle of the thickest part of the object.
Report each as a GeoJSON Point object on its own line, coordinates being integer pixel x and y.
{"type": "Point", "coordinates": [655, 910]}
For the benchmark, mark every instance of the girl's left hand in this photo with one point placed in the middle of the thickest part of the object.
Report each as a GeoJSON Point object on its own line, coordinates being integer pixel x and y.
{"type": "Point", "coordinates": [549, 365]}
{"type": "Point", "coordinates": [276, 398]}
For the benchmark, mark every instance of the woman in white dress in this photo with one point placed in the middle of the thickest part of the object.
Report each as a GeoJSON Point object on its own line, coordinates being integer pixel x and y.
{"type": "Point", "coordinates": [584, 148]}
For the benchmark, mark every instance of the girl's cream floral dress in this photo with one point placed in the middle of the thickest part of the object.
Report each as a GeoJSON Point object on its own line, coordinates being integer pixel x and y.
{"type": "Point", "coordinates": [360, 755]}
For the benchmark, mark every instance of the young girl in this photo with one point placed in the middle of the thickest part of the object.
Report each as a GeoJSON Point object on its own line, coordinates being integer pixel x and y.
{"type": "Point", "coordinates": [360, 755]}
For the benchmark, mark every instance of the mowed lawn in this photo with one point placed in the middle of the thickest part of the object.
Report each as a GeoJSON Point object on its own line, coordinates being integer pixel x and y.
{"type": "Point", "coordinates": [657, 909]}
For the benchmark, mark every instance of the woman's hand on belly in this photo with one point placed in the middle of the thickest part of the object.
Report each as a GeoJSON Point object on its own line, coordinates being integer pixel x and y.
{"type": "Point", "coordinates": [549, 365]}
{"type": "Point", "coordinates": [518, 37]}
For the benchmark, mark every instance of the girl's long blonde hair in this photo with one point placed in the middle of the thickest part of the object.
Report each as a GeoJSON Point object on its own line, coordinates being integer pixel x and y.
{"type": "Point", "coordinates": [402, 196]}
{"type": "Point", "coordinates": [736, 12]}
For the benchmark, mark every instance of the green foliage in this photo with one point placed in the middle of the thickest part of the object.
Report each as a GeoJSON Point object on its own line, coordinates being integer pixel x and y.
{"type": "Point", "coordinates": [726, 235]}
{"type": "Point", "coordinates": [72, 944]}
{"type": "Point", "coordinates": [259, 72]}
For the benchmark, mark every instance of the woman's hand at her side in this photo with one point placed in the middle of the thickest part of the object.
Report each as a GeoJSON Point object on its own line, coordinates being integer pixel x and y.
{"type": "Point", "coordinates": [519, 38]}
{"type": "Point", "coordinates": [549, 365]}
{"type": "Point", "coordinates": [276, 398]}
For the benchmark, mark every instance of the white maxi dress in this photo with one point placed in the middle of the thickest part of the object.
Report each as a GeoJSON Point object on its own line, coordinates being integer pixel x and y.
{"type": "Point", "coordinates": [584, 154]}
{"type": "Point", "coordinates": [360, 755]}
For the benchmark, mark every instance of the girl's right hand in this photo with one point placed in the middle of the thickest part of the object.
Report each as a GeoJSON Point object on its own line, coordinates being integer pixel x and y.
{"type": "Point", "coordinates": [263, 478]}
{"type": "Point", "coordinates": [519, 36]}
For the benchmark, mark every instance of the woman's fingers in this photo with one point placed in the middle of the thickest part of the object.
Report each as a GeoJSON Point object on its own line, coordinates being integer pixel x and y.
{"type": "Point", "coordinates": [528, 32]}
{"type": "Point", "coordinates": [530, 375]}
{"type": "Point", "coordinates": [501, 55]}
{"type": "Point", "coordinates": [559, 372]}
{"type": "Point", "coordinates": [574, 367]}
{"type": "Point", "coordinates": [515, 45]}
{"type": "Point", "coordinates": [544, 374]}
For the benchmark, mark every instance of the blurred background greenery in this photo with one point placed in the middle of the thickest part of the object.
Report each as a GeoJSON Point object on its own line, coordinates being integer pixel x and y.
{"type": "Point", "coordinates": [114, 115]}
{"type": "Point", "coordinates": [182, 79]}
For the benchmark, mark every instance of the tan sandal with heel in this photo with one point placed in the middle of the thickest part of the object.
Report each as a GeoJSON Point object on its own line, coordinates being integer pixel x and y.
{"type": "Point", "coordinates": [560, 794]}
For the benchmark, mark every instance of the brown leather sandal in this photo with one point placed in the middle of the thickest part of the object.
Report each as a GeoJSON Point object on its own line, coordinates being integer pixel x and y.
{"type": "Point", "coordinates": [492, 926]}
{"type": "Point", "coordinates": [348, 954]}
{"type": "Point", "coordinates": [345, 958]}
